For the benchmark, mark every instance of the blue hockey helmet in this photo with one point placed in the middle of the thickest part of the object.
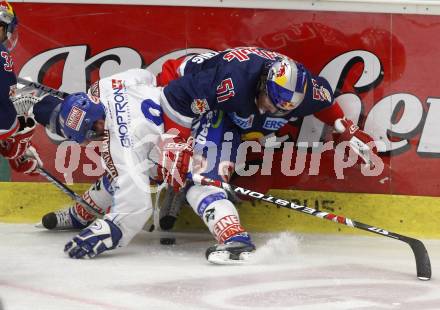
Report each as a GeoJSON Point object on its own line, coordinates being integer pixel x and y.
{"type": "Point", "coordinates": [286, 84]}
{"type": "Point", "coordinates": [77, 116]}
{"type": "Point", "coordinates": [9, 20]}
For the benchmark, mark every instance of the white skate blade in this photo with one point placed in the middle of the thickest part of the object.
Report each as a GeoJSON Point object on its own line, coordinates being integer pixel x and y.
{"type": "Point", "coordinates": [223, 258]}
{"type": "Point", "coordinates": [39, 225]}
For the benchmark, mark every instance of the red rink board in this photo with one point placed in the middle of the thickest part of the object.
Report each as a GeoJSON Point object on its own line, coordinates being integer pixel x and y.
{"type": "Point", "coordinates": [404, 93]}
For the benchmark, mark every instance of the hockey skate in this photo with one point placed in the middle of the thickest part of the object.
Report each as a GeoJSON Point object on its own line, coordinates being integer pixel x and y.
{"type": "Point", "coordinates": [235, 250]}
{"type": "Point", "coordinates": [64, 219]}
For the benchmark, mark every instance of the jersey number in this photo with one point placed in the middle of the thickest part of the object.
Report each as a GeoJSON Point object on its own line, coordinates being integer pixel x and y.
{"type": "Point", "coordinates": [225, 90]}
{"type": "Point", "coordinates": [8, 61]}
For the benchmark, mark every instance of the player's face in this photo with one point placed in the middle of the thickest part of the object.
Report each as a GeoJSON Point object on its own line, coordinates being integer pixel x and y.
{"type": "Point", "coordinates": [264, 104]}
{"type": "Point", "coordinates": [98, 132]}
{"type": "Point", "coordinates": [98, 127]}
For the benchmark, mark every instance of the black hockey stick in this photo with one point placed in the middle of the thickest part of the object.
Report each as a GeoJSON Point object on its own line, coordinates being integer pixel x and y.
{"type": "Point", "coordinates": [43, 88]}
{"type": "Point", "coordinates": [423, 263]}
{"type": "Point", "coordinates": [69, 192]}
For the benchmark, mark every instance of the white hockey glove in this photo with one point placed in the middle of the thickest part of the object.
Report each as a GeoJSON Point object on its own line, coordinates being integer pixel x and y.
{"type": "Point", "coordinates": [24, 103]}
{"type": "Point", "coordinates": [100, 236]}
{"type": "Point", "coordinates": [360, 142]}
{"type": "Point", "coordinates": [25, 97]}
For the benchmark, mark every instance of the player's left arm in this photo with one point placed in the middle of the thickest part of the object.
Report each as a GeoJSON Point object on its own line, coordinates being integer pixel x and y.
{"type": "Point", "coordinates": [345, 130]}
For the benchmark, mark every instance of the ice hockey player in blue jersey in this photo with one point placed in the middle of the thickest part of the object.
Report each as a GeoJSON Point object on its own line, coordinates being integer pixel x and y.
{"type": "Point", "coordinates": [15, 131]}
{"type": "Point", "coordinates": [218, 99]}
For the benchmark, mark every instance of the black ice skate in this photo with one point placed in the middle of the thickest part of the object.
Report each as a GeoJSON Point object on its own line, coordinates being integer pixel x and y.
{"type": "Point", "coordinates": [64, 219]}
{"type": "Point", "coordinates": [235, 250]}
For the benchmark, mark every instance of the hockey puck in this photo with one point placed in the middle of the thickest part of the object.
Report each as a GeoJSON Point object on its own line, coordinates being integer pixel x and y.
{"type": "Point", "coordinates": [167, 241]}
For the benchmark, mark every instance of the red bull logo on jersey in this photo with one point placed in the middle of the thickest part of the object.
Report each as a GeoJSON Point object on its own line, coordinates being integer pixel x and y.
{"type": "Point", "coordinates": [75, 118]}
{"type": "Point", "coordinates": [199, 106]}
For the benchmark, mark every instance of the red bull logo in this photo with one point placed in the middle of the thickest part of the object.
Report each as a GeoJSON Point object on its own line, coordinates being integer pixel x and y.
{"type": "Point", "coordinates": [199, 106]}
{"type": "Point", "coordinates": [282, 71]}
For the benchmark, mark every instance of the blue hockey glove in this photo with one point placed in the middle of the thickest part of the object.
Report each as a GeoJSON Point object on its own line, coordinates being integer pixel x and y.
{"type": "Point", "coordinates": [100, 236]}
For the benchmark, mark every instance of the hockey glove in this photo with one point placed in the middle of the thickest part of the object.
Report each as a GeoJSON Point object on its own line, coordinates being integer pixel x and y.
{"type": "Point", "coordinates": [360, 142]}
{"type": "Point", "coordinates": [15, 146]}
{"type": "Point", "coordinates": [27, 163]}
{"type": "Point", "coordinates": [100, 236]}
{"type": "Point", "coordinates": [175, 158]}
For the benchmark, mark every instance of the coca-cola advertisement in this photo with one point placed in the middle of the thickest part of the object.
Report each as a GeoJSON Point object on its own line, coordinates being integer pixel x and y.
{"type": "Point", "coordinates": [382, 78]}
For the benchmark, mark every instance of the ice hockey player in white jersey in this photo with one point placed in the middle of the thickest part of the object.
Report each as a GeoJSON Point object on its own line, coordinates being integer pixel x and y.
{"type": "Point", "coordinates": [125, 113]}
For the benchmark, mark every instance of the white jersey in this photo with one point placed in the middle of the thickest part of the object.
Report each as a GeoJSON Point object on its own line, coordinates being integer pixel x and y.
{"type": "Point", "coordinates": [132, 127]}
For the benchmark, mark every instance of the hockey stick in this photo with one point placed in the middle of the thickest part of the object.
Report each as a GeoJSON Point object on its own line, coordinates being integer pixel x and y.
{"type": "Point", "coordinates": [69, 192]}
{"type": "Point", "coordinates": [42, 88]}
{"type": "Point", "coordinates": [423, 264]}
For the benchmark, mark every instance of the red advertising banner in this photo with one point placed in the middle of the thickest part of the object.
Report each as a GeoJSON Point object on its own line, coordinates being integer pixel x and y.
{"type": "Point", "coordinates": [383, 66]}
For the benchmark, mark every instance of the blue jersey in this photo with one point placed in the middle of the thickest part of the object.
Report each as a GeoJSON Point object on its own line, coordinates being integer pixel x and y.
{"type": "Point", "coordinates": [229, 81]}
{"type": "Point", "coordinates": [8, 80]}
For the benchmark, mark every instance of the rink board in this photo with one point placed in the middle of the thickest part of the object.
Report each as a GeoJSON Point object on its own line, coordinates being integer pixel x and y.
{"type": "Point", "coordinates": [22, 202]}
{"type": "Point", "coordinates": [384, 80]}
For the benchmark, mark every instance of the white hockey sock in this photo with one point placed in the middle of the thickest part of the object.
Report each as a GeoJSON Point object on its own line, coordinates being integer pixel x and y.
{"type": "Point", "coordinates": [218, 213]}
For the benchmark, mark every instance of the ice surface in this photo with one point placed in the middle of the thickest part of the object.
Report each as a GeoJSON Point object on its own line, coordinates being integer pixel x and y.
{"type": "Point", "coordinates": [289, 271]}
